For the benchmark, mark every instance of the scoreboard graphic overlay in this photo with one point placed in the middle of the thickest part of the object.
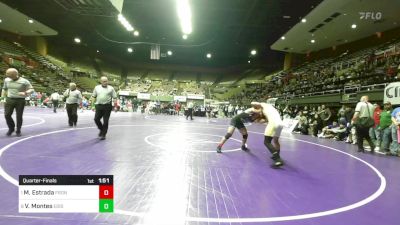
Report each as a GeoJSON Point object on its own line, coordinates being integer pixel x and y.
{"type": "Point", "coordinates": [66, 194]}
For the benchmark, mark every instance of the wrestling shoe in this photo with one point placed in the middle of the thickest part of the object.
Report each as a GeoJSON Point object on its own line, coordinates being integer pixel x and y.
{"type": "Point", "coordinates": [244, 148]}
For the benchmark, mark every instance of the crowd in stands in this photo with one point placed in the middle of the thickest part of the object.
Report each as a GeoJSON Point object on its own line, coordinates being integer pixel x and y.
{"type": "Point", "coordinates": [42, 78]}
{"type": "Point", "coordinates": [48, 77]}
{"type": "Point", "coordinates": [252, 92]}
{"type": "Point", "coordinates": [370, 67]}
{"type": "Point", "coordinates": [45, 75]}
{"type": "Point", "coordinates": [366, 68]}
{"type": "Point", "coordinates": [139, 86]}
{"type": "Point", "coordinates": [331, 123]}
{"type": "Point", "coordinates": [378, 65]}
{"type": "Point", "coordinates": [163, 88]}
{"type": "Point", "coordinates": [192, 88]}
{"type": "Point", "coordinates": [166, 87]}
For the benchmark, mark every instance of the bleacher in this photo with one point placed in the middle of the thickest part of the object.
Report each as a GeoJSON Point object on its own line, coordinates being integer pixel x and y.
{"type": "Point", "coordinates": [348, 73]}
{"type": "Point", "coordinates": [3, 67]}
{"type": "Point", "coordinates": [11, 49]}
{"type": "Point", "coordinates": [44, 76]}
{"type": "Point", "coordinates": [158, 75]}
{"type": "Point", "coordinates": [191, 88]}
{"type": "Point", "coordinates": [163, 88]}
{"type": "Point", "coordinates": [139, 86]}
{"type": "Point", "coordinates": [39, 58]}
{"type": "Point", "coordinates": [86, 83]}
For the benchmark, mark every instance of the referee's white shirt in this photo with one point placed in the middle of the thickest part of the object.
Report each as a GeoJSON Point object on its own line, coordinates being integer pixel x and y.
{"type": "Point", "coordinates": [55, 96]}
{"type": "Point", "coordinates": [104, 95]}
{"type": "Point", "coordinates": [362, 109]}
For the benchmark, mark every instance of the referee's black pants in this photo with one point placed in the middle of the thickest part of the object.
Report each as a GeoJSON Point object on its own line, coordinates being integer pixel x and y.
{"type": "Point", "coordinates": [102, 111]}
{"type": "Point", "coordinates": [363, 132]}
{"type": "Point", "coordinates": [72, 111]}
{"type": "Point", "coordinates": [55, 105]}
{"type": "Point", "coordinates": [189, 113]}
{"type": "Point", "coordinates": [14, 103]}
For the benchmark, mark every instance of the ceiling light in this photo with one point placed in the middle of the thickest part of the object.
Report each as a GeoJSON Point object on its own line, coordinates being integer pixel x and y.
{"type": "Point", "coordinates": [30, 21]}
{"type": "Point", "coordinates": [354, 26]}
{"type": "Point", "coordinates": [303, 20]}
{"type": "Point", "coordinates": [130, 50]}
{"type": "Point", "coordinates": [184, 36]}
{"type": "Point", "coordinates": [136, 33]}
{"type": "Point", "coordinates": [77, 40]}
{"type": "Point", "coordinates": [97, 51]}
{"type": "Point", "coordinates": [209, 55]}
{"type": "Point", "coordinates": [283, 37]}
{"type": "Point", "coordinates": [248, 61]}
{"type": "Point", "coordinates": [312, 41]}
{"type": "Point", "coordinates": [253, 52]}
{"type": "Point", "coordinates": [125, 23]}
{"type": "Point", "coordinates": [1, 20]}
{"type": "Point", "coordinates": [169, 52]}
{"type": "Point", "coordinates": [184, 15]}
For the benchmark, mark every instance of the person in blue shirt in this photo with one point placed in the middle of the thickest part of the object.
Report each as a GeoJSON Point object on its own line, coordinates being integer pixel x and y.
{"type": "Point", "coordinates": [394, 147]}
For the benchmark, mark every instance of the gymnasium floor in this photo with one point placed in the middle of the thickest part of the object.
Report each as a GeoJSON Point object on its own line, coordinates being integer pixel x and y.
{"type": "Point", "coordinates": [166, 171]}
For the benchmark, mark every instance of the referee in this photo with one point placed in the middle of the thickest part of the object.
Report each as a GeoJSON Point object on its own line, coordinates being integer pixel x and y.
{"type": "Point", "coordinates": [54, 99]}
{"type": "Point", "coordinates": [190, 110]}
{"type": "Point", "coordinates": [364, 109]}
{"type": "Point", "coordinates": [104, 94]}
{"type": "Point", "coordinates": [15, 89]}
{"type": "Point", "coordinates": [73, 97]}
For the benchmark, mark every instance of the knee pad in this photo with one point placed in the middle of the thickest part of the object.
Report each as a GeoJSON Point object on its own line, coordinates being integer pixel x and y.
{"type": "Point", "coordinates": [270, 147]}
{"type": "Point", "coordinates": [245, 136]}
{"type": "Point", "coordinates": [267, 140]}
{"type": "Point", "coordinates": [228, 135]}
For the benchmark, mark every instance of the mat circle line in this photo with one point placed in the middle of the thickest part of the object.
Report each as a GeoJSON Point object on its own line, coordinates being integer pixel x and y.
{"type": "Point", "coordinates": [358, 204]}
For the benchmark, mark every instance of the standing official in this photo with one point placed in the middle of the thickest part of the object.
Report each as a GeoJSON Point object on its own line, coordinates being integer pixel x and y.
{"type": "Point", "coordinates": [190, 110]}
{"type": "Point", "coordinates": [15, 89]}
{"type": "Point", "coordinates": [55, 97]}
{"type": "Point", "coordinates": [74, 98]}
{"type": "Point", "coordinates": [363, 110]}
{"type": "Point", "coordinates": [104, 94]}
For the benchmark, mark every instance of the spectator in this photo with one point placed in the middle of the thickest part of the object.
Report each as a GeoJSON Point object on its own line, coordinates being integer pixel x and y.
{"type": "Point", "coordinates": [177, 108]}
{"type": "Point", "coordinates": [302, 126]}
{"type": "Point", "coordinates": [374, 132]}
{"type": "Point", "coordinates": [325, 114]}
{"type": "Point", "coordinates": [394, 147]}
{"type": "Point", "coordinates": [385, 123]}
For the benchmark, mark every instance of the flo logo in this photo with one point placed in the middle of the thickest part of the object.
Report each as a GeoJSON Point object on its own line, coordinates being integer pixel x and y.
{"type": "Point", "coordinates": [370, 15]}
